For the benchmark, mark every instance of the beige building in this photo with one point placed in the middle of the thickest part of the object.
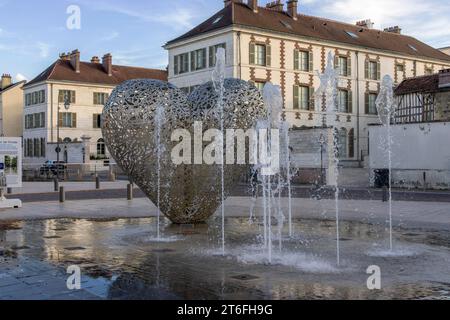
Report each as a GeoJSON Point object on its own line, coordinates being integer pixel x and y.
{"type": "Point", "coordinates": [445, 50]}
{"type": "Point", "coordinates": [87, 85]}
{"type": "Point", "coordinates": [288, 49]}
{"type": "Point", "coordinates": [11, 107]}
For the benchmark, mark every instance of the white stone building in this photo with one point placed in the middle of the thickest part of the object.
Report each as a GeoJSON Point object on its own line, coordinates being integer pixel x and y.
{"type": "Point", "coordinates": [87, 85]}
{"type": "Point", "coordinates": [286, 48]}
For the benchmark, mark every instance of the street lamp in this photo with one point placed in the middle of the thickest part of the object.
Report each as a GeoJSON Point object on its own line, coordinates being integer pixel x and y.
{"type": "Point", "coordinates": [58, 147]}
{"type": "Point", "coordinates": [322, 143]}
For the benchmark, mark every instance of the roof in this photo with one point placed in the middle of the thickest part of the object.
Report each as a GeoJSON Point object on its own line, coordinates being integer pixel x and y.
{"type": "Point", "coordinates": [94, 73]}
{"type": "Point", "coordinates": [12, 86]}
{"type": "Point", "coordinates": [423, 84]}
{"type": "Point", "coordinates": [313, 27]}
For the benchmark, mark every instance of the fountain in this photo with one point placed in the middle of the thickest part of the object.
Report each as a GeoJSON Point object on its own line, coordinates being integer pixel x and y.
{"type": "Point", "coordinates": [218, 78]}
{"type": "Point", "coordinates": [328, 89]}
{"type": "Point", "coordinates": [386, 108]}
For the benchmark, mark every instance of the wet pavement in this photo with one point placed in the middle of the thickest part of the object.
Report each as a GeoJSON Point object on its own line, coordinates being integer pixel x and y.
{"type": "Point", "coordinates": [120, 259]}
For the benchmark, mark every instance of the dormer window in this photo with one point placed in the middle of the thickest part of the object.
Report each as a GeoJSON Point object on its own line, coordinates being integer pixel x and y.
{"type": "Point", "coordinates": [217, 19]}
{"type": "Point", "coordinates": [412, 47]}
{"type": "Point", "coordinates": [352, 34]}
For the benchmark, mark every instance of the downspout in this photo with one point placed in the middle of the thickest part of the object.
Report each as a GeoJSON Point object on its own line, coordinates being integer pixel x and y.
{"type": "Point", "coordinates": [239, 56]}
{"type": "Point", "coordinates": [51, 112]}
{"type": "Point", "coordinates": [358, 111]}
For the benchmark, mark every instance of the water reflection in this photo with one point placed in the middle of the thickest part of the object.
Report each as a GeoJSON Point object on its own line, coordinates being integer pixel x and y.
{"type": "Point", "coordinates": [122, 265]}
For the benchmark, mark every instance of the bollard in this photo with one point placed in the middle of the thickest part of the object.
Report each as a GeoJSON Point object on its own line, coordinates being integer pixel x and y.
{"type": "Point", "coordinates": [56, 184]}
{"type": "Point", "coordinates": [130, 191]}
{"type": "Point", "coordinates": [385, 194]}
{"type": "Point", "coordinates": [62, 195]}
{"type": "Point", "coordinates": [97, 182]}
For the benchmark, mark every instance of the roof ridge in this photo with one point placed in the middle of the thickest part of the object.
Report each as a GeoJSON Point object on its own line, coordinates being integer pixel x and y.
{"type": "Point", "coordinates": [123, 66]}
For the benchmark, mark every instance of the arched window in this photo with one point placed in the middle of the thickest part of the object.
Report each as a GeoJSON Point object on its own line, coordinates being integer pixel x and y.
{"type": "Point", "coordinates": [342, 143]}
{"type": "Point", "coordinates": [101, 147]}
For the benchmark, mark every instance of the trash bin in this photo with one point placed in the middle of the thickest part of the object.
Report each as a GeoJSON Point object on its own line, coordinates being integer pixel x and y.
{"type": "Point", "coordinates": [381, 178]}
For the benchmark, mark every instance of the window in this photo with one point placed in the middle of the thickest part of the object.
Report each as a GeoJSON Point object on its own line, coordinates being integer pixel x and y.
{"type": "Point", "coordinates": [372, 70]}
{"type": "Point", "coordinates": [260, 85]}
{"type": "Point", "coordinates": [67, 120]}
{"type": "Point", "coordinates": [43, 147]}
{"type": "Point", "coordinates": [97, 121]}
{"type": "Point", "coordinates": [213, 52]}
{"type": "Point", "coordinates": [400, 68]}
{"type": "Point", "coordinates": [101, 150]}
{"type": "Point", "coordinates": [351, 34]}
{"type": "Point", "coordinates": [35, 120]}
{"type": "Point", "coordinates": [412, 47]}
{"type": "Point", "coordinates": [36, 97]}
{"type": "Point", "coordinates": [198, 59]}
{"type": "Point", "coordinates": [70, 94]}
{"type": "Point", "coordinates": [100, 98]}
{"type": "Point", "coordinates": [217, 19]}
{"type": "Point", "coordinates": [343, 101]}
{"type": "Point", "coordinates": [428, 71]}
{"type": "Point", "coordinates": [343, 66]}
{"type": "Point", "coordinates": [181, 64]}
{"type": "Point", "coordinates": [342, 143]}
{"type": "Point", "coordinates": [371, 107]}
{"type": "Point", "coordinates": [303, 98]}
{"type": "Point", "coordinates": [260, 54]}
{"type": "Point", "coordinates": [302, 60]}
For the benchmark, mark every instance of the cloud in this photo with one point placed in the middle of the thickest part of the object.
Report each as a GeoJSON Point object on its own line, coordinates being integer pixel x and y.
{"type": "Point", "coordinates": [177, 18]}
{"type": "Point", "coordinates": [426, 20]}
{"type": "Point", "coordinates": [113, 35]}
{"type": "Point", "coordinates": [20, 77]}
{"type": "Point", "coordinates": [44, 49]}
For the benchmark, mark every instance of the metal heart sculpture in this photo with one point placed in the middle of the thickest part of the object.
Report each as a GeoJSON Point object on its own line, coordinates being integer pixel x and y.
{"type": "Point", "coordinates": [138, 121]}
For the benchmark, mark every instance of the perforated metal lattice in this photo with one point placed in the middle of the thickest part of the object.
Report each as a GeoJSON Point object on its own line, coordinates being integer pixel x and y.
{"type": "Point", "coordinates": [188, 193]}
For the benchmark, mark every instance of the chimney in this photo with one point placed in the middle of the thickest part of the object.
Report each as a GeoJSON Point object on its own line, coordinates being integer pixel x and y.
{"type": "Point", "coordinates": [365, 24]}
{"type": "Point", "coordinates": [107, 63]}
{"type": "Point", "coordinates": [292, 7]}
{"type": "Point", "coordinates": [228, 2]}
{"type": "Point", "coordinates": [275, 5]}
{"type": "Point", "coordinates": [64, 56]}
{"type": "Point", "coordinates": [395, 29]}
{"type": "Point", "coordinates": [95, 59]}
{"type": "Point", "coordinates": [444, 78]}
{"type": "Point", "coordinates": [253, 4]}
{"type": "Point", "coordinates": [6, 81]}
{"type": "Point", "coordinates": [75, 60]}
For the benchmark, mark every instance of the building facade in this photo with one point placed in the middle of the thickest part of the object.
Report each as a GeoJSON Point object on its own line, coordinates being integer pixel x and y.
{"type": "Point", "coordinates": [423, 99]}
{"type": "Point", "coordinates": [86, 86]}
{"type": "Point", "coordinates": [288, 49]}
{"type": "Point", "coordinates": [11, 107]}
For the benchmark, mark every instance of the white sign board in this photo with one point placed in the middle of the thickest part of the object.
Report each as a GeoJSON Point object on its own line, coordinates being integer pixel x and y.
{"type": "Point", "coordinates": [11, 161]}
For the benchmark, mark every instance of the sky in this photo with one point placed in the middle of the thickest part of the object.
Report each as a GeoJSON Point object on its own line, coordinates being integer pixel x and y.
{"type": "Point", "coordinates": [33, 33]}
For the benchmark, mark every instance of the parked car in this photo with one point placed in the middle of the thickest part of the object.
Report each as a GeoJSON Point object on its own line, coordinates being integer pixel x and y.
{"type": "Point", "coordinates": [52, 167]}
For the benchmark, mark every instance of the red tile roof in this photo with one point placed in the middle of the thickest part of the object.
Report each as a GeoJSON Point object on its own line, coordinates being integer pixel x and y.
{"type": "Point", "coordinates": [240, 14]}
{"type": "Point", "coordinates": [423, 84]}
{"type": "Point", "coordinates": [94, 73]}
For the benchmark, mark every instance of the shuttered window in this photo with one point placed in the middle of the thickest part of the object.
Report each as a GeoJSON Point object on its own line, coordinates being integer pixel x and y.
{"type": "Point", "coordinates": [67, 120]}
{"type": "Point", "coordinates": [198, 59]}
{"type": "Point", "coordinates": [303, 98]}
{"type": "Point", "coordinates": [345, 101]}
{"type": "Point", "coordinates": [100, 98]}
{"type": "Point", "coordinates": [97, 121]}
{"type": "Point", "coordinates": [372, 70]}
{"type": "Point", "coordinates": [213, 51]}
{"type": "Point", "coordinates": [70, 94]}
